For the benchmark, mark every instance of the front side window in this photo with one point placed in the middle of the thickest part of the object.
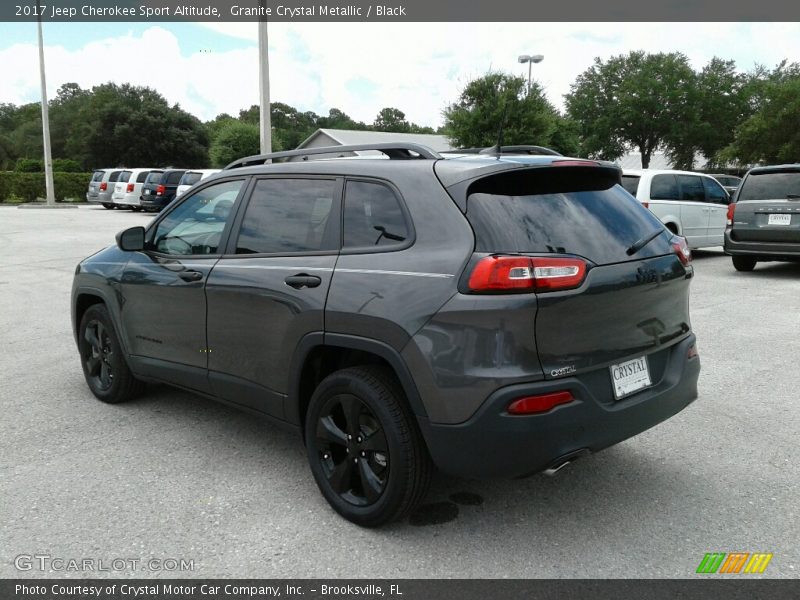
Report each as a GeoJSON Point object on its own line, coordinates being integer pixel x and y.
{"type": "Point", "coordinates": [692, 188]}
{"type": "Point", "coordinates": [195, 226]}
{"type": "Point", "coordinates": [664, 187]}
{"type": "Point", "coordinates": [286, 216]}
{"type": "Point", "coordinates": [372, 216]}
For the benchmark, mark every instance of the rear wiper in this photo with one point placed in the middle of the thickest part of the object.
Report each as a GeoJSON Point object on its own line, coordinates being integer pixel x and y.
{"type": "Point", "coordinates": [793, 196]}
{"type": "Point", "coordinates": [639, 244]}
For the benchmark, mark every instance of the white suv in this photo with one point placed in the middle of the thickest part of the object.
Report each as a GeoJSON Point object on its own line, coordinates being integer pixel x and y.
{"type": "Point", "coordinates": [191, 177]}
{"type": "Point", "coordinates": [129, 188]}
{"type": "Point", "coordinates": [693, 205]}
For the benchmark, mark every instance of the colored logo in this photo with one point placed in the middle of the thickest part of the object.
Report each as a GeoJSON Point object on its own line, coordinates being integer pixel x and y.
{"type": "Point", "coordinates": [734, 562]}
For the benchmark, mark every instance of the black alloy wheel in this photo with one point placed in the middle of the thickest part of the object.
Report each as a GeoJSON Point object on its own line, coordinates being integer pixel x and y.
{"type": "Point", "coordinates": [97, 356]}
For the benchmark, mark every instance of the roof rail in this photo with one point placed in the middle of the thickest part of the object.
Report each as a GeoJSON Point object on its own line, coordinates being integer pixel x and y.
{"type": "Point", "coordinates": [394, 150]}
{"type": "Point", "coordinates": [507, 150]}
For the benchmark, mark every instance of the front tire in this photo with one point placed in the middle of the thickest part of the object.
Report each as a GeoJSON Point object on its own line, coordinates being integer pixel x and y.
{"type": "Point", "coordinates": [743, 263]}
{"type": "Point", "coordinates": [364, 447]}
{"type": "Point", "coordinates": [104, 366]}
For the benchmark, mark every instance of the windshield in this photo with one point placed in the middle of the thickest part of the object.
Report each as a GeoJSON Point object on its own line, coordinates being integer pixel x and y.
{"type": "Point", "coordinates": [777, 185]}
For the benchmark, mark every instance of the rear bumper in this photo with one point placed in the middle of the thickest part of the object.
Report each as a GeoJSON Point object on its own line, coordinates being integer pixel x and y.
{"type": "Point", "coordinates": [776, 250]}
{"type": "Point", "coordinates": [494, 444]}
{"type": "Point", "coordinates": [128, 200]}
{"type": "Point", "coordinates": [153, 201]}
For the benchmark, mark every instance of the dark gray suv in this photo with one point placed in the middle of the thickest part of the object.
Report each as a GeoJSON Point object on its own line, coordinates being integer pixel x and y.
{"type": "Point", "coordinates": [492, 315]}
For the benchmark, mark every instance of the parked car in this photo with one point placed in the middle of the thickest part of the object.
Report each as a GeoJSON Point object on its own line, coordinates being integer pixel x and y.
{"type": "Point", "coordinates": [729, 182]}
{"type": "Point", "coordinates": [764, 220]}
{"type": "Point", "coordinates": [128, 189]}
{"type": "Point", "coordinates": [495, 316]}
{"type": "Point", "coordinates": [692, 205]}
{"type": "Point", "coordinates": [159, 188]}
{"type": "Point", "coordinates": [191, 177]}
{"type": "Point", "coordinates": [101, 186]}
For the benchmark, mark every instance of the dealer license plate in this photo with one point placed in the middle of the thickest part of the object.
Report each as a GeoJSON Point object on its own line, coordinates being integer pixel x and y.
{"type": "Point", "coordinates": [779, 220]}
{"type": "Point", "coordinates": [630, 377]}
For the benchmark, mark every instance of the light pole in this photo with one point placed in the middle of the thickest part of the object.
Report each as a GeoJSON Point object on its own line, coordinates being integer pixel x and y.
{"type": "Point", "coordinates": [48, 156]}
{"type": "Point", "coordinates": [530, 59]}
{"type": "Point", "coordinates": [263, 84]}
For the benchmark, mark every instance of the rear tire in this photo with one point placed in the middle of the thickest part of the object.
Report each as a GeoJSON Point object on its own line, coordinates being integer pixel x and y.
{"type": "Point", "coordinates": [136, 208]}
{"type": "Point", "coordinates": [743, 263]}
{"type": "Point", "coordinates": [364, 447]}
{"type": "Point", "coordinates": [102, 358]}
{"type": "Point", "coordinates": [108, 205]}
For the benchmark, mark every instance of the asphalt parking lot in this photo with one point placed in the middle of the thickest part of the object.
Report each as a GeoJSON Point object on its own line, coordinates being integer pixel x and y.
{"type": "Point", "coordinates": [172, 475]}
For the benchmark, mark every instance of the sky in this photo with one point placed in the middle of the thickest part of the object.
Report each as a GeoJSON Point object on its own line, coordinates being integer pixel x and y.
{"type": "Point", "coordinates": [211, 68]}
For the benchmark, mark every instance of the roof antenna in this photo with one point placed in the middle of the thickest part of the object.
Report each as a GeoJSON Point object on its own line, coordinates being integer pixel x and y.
{"type": "Point", "coordinates": [497, 149]}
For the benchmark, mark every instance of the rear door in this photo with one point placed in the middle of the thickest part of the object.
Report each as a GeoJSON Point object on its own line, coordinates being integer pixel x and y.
{"type": "Point", "coordinates": [768, 207]}
{"type": "Point", "coordinates": [694, 210]}
{"type": "Point", "coordinates": [717, 201]}
{"type": "Point", "coordinates": [270, 288]}
{"type": "Point", "coordinates": [631, 304]}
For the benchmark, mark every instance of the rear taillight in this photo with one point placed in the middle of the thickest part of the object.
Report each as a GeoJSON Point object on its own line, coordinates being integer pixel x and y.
{"type": "Point", "coordinates": [103, 186]}
{"type": "Point", "coordinates": [130, 188]}
{"type": "Point", "coordinates": [731, 211]}
{"type": "Point", "coordinates": [522, 273]}
{"type": "Point", "coordinates": [681, 248]}
{"type": "Point", "coordinates": [160, 190]}
{"type": "Point", "coordinates": [538, 404]}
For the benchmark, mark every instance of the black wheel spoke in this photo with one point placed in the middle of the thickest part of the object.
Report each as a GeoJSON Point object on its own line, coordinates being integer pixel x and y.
{"type": "Point", "coordinates": [376, 442]}
{"type": "Point", "coordinates": [329, 431]}
{"type": "Point", "coordinates": [370, 484]}
{"type": "Point", "coordinates": [340, 477]}
{"type": "Point", "coordinates": [352, 413]}
{"type": "Point", "coordinates": [91, 365]}
{"type": "Point", "coordinates": [91, 337]}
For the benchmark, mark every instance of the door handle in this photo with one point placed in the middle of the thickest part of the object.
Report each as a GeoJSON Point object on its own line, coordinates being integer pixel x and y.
{"type": "Point", "coordinates": [190, 275]}
{"type": "Point", "coordinates": [302, 280]}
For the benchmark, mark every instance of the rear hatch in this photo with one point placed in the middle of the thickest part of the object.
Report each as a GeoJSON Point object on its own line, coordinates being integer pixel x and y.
{"type": "Point", "coordinates": [767, 208]}
{"type": "Point", "coordinates": [121, 185]}
{"type": "Point", "coordinates": [94, 184]}
{"type": "Point", "coordinates": [630, 297]}
{"type": "Point", "coordinates": [151, 183]}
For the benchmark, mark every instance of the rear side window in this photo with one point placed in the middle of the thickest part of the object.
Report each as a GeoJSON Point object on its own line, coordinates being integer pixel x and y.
{"type": "Point", "coordinates": [124, 177]}
{"type": "Point", "coordinates": [692, 188]}
{"type": "Point", "coordinates": [141, 177]}
{"type": "Point", "coordinates": [631, 183]}
{"type": "Point", "coordinates": [664, 187]}
{"type": "Point", "coordinates": [190, 178]}
{"type": "Point", "coordinates": [173, 178]}
{"type": "Point", "coordinates": [715, 191]}
{"type": "Point", "coordinates": [154, 177]}
{"type": "Point", "coordinates": [372, 216]}
{"type": "Point", "coordinates": [98, 176]}
{"type": "Point", "coordinates": [287, 215]}
{"type": "Point", "coordinates": [582, 214]}
{"type": "Point", "coordinates": [114, 177]}
{"type": "Point", "coordinates": [770, 186]}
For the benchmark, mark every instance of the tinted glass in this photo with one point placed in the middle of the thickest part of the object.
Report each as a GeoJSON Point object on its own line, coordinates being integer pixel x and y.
{"type": "Point", "coordinates": [154, 177]}
{"type": "Point", "coordinates": [141, 177]}
{"type": "Point", "coordinates": [692, 188]}
{"type": "Point", "coordinates": [372, 216]}
{"type": "Point", "coordinates": [664, 187]}
{"type": "Point", "coordinates": [196, 224]}
{"type": "Point", "coordinates": [770, 186]}
{"type": "Point", "coordinates": [98, 176]}
{"type": "Point", "coordinates": [114, 176]}
{"type": "Point", "coordinates": [173, 178]}
{"type": "Point", "coordinates": [124, 177]}
{"type": "Point", "coordinates": [714, 191]}
{"type": "Point", "coordinates": [596, 224]}
{"type": "Point", "coordinates": [286, 215]}
{"type": "Point", "coordinates": [190, 178]}
{"type": "Point", "coordinates": [631, 183]}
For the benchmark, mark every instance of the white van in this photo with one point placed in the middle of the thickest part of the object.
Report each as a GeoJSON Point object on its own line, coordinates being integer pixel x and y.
{"type": "Point", "coordinates": [127, 192]}
{"type": "Point", "coordinates": [693, 205]}
{"type": "Point", "coordinates": [191, 177]}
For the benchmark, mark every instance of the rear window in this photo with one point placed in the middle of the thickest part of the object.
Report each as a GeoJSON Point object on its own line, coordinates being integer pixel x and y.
{"type": "Point", "coordinates": [98, 176]}
{"type": "Point", "coordinates": [142, 177]}
{"type": "Point", "coordinates": [631, 183]}
{"type": "Point", "coordinates": [154, 177]}
{"type": "Point", "coordinates": [174, 177]}
{"type": "Point", "coordinates": [190, 178]}
{"type": "Point", "coordinates": [124, 177]}
{"type": "Point", "coordinates": [770, 186]}
{"type": "Point", "coordinates": [114, 177]}
{"type": "Point", "coordinates": [581, 213]}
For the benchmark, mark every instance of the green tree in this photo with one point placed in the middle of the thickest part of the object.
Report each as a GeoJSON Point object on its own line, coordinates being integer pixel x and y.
{"type": "Point", "coordinates": [337, 119]}
{"type": "Point", "coordinates": [486, 103]}
{"type": "Point", "coordinates": [636, 100]}
{"type": "Point", "coordinates": [391, 119]}
{"type": "Point", "coordinates": [234, 140]}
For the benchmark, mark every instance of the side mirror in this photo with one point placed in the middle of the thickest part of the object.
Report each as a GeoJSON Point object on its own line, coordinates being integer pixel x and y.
{"type": "Point", "coordinates": [131, 239]}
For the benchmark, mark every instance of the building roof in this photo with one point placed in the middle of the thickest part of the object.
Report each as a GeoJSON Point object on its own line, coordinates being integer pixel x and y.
{"type": "Point", "coordinates": [346, 137]}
